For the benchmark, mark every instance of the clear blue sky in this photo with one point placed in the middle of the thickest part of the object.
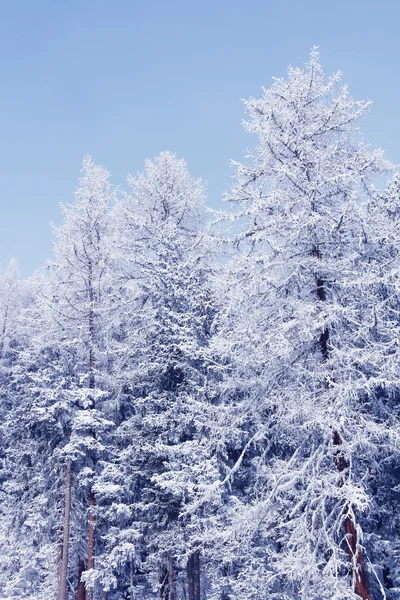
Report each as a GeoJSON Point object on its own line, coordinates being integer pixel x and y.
{"type": "Point", "coordinates": [125, 79]}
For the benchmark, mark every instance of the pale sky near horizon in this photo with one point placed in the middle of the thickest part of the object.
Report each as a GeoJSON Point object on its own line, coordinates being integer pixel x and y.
{"type": "Point", "coordinates": [123, 80]}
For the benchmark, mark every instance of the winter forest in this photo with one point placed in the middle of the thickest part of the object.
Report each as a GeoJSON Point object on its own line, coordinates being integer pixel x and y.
{"type": "Point", "coordinates": [204, 405]}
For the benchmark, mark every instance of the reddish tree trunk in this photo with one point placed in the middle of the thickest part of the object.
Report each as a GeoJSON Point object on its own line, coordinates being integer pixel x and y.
{"type": "Point", "coordinates": [360, 580]}
{"type": "Point", "coordinates": [167, 580]}
{"type": "Point", "coordinates": [356, 559]}
{"type": "Point", "coordinates": [81, 595]}
{"type": "Point", "coordinates": [355, 555]}
{"type": "Point", "coordinates": [59, 561]}
{"type": "Point", "coordinates": [90, 563]}
{"type": "Point", "coordinates": [67, 517]}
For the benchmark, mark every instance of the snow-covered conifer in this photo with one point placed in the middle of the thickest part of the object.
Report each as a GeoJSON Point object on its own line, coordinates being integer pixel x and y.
{"type": "Point", "coordinates": [79, 306]}
{"type": "Point", "coordinates": [299, 330]}
{"type": "Point", "coordinates": [162, 452]}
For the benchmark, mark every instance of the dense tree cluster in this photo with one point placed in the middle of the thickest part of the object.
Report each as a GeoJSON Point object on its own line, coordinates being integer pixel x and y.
{"type": "Point", "coordinates": [195, 410]}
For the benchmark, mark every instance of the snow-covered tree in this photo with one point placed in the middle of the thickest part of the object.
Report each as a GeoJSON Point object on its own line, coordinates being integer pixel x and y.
{"type": "Point", "coordinates": [80, 285]}
{"type": "Point", "coordinates": [382, 248]}
{"type": "Point", "coordinates": [59, 384]}
{"type": "Point", "coordinates": [29, 506]}
{"type": "Point", "coordinates": [192, 426]}
{"type": "Point", "coordinates": [162, 454]}
{"type": "Point", "coordinates": [299, 330]}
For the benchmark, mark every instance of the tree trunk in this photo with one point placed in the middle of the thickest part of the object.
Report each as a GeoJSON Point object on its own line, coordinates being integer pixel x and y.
{"type": "Point", "coordinates": [67, 518]}
{"type": "Point", "coordinates": [167, 580]}
{"type": "Point", "coordinates": [131, 579]}
{"type": "Point", "coordinates": [3, 332]}
{"type": "Point", "coordinates": [190, 577]}
{"type": "Point", "coordinates": [59, 564]}
{"type": "Point", "coordinates": [224, 593]}
{"type": "Point", "coordinates": [361, 586]}
{"type": "Point", "coordinates": [91, 327]}
{"type": "Point", "coordinates": [193, 575]}
{"type": "Point", "coordinates": [81, 595]}
{"type": "Point", "coordinates": [171, 578]}
{"type": "Point", "coordinates": [196, 574]}
{"type": "Point", "coordinates": [92, 385]}
{"type": "Point", "coordinates": [163, 584]}
{"type": "Point", "coordinates": [90, 563]}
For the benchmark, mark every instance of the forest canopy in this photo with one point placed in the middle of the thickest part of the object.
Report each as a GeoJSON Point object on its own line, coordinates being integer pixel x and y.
{"type": "Point", "coordinates": [208, 408]}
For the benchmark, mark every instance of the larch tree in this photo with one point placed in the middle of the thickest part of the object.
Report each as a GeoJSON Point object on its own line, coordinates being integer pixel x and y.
{"type": "Point", "coordinates": [299, 330]}
{"type": "Point", "coordinates": [382, 249]}
{"type": "Point", "coordinates": [179, 425]}
{"type": "Point", "coordinates": [80, 284]}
